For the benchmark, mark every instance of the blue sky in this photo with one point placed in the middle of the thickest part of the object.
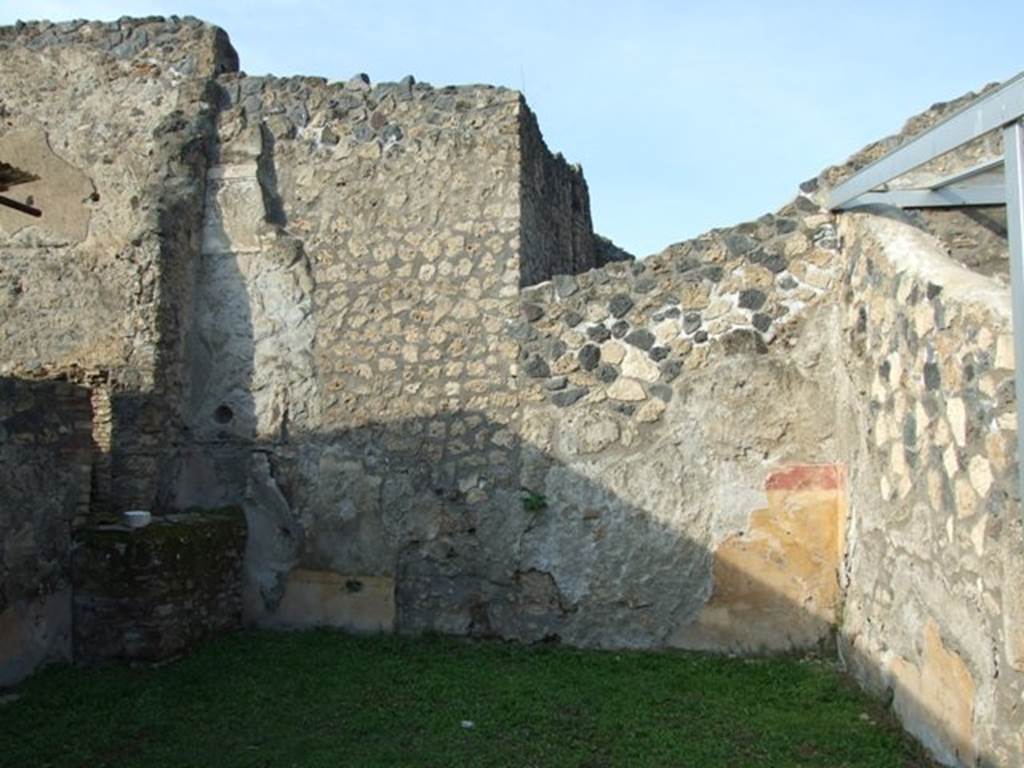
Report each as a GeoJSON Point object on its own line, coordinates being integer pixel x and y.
{"type": "Point", "coordinates": [684, 115]}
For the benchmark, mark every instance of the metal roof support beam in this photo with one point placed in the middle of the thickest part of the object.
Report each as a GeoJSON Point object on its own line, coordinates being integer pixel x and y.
{"type": "Point", "coordinates": [1013, 147]}
{"type": "Point", "coordinates": [970, 173]}
{"type": "Point", "coordinates": [996, 110]}
{"type": "Point", "coordinates": [940, 197]}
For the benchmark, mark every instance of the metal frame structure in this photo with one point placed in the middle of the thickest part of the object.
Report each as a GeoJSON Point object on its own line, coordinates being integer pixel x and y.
{"type": "Point", "coordinates": [1003, 109]}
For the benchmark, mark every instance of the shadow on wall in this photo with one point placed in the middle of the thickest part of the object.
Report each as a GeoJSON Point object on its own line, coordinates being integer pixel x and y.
{"type": "Point", "coordinates": [348, 530]}
{"type": "Point", "coordinates": [45, 460]}
{"type": "Point", "coordinates": [414, 554]}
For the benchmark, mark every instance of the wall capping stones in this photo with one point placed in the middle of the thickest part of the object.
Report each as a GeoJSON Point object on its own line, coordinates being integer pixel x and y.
{"type": "Point", "coordinates": [923, 256]}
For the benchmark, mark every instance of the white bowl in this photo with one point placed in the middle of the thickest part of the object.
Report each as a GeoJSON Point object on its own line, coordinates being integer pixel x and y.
{"type": "Point", "coordinates": [136, 518]}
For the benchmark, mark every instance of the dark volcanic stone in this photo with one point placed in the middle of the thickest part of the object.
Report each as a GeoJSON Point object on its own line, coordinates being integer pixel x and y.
{"type": "Point", "coordinates": [620, 329]}
{"type": "Point", "coordinates": [589, 356]}
{"type": "Point", "coordinates": [700, 337]}
{"type": "Point", "coordinates": [687, 265]}
{"type": "Point", "coordinates": [752, 298]}
{"type": "Point", "coordinates": [565, 285]}
{"type": "Point", "coordinates": [662, 391]}
{"type": "Point", "coordinates": [521, 331]}
{"type": "Point", "coordinates": [391, 134]}
{"type": "Point", "coordinates": [607, 373]}
{"type": "Point", "coordinates": [788, 283]}
{"type": "Point", "coordinates": [691, 322]}
{"type": "Point", "coordinates": [658, 353]}
{"type": "Point", "coordinates": [619, 305]}
{"type": "Point", "coordinates": [572, 318]}
{"type": "Point", "coordinates": [533, 312]}
{"type": "Point", "coordinates": [932, 377]}
{"type": "Point", "coordinates": [742, 341]}
{"type": "Point", "coordinates": [785, 226]}
{"type": "Point", "coordinates": [645, 284]}
{"type": "Point", "coordinates": [568, 396]}
{"type": "Point", "coordinates": [363, 132]}
{"type": "Point", "coordinates": [806, 205]}
{"type": "Point", "coordinates": [671, 369]}
{"type": "Point", "coordinates": [713, 273]}
{"type": "Point", "coordinates": [641, 338]}
{"type": "Point", "coordinates": [553, 349]}
{"type": "Point", "coordinates": [598, 333]}
{"type": "Point", "coordinates": [537, 368]}
{"type": "Point", "coordinates": [739, 244]}
{"type": "Point", "coordinates": [775, 264]}
{"type": "Point", "coordinates": [761, 321]}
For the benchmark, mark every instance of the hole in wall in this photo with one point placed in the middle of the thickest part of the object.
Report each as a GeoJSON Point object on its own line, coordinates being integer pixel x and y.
{"type": "Point", "coordinates": [223, 414]}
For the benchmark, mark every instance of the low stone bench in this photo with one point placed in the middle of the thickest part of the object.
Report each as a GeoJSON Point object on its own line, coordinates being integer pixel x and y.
{"type": "Point", "coordinates": [155, 592]}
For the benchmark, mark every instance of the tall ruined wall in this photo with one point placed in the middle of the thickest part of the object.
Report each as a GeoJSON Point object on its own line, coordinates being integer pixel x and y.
{"type": "Point", "coordinates": [934, 610]}
{"type": "Point", "coordinates": [45, 447]}
{"type": "Point", "coordinates": [97, 288]}
{"type": "Point", "coordinates": [348, 370]}
{"type": "Point", "coordinates": [557, 235]}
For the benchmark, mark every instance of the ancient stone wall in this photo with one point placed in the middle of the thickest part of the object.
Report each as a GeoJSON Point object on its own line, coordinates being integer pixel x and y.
{"type": "Point", "coordinates": [45, 450]}
{"type": "Point", "coordinates": [97, 287]}
{"type": "Point", "coordinates": [663, 403]}
{"type": "Point", "coordinates": [375, 316]}
{"type": "Point", "coordinates": [347, 370]}
{"type": "Point", "coordinates": [933, 609]}
{"type": "Point", "coordinates": [557, 235]}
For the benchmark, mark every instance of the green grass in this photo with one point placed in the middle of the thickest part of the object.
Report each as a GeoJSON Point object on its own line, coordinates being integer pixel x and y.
{"type": "Point", "coordinates": [328, 699]}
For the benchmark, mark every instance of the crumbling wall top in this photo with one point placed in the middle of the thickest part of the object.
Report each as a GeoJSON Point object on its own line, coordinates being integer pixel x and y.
{"type": "Point", "coordinates": [185, 44]}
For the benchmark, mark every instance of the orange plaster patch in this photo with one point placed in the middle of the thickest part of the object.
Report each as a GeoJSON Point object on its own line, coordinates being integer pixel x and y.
{"type": "Point", "coordinates": [776, 584]}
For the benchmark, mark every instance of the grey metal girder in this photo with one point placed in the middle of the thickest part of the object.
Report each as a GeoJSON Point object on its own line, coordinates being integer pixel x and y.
{"type": "Point", "coordinates": [997, 109]}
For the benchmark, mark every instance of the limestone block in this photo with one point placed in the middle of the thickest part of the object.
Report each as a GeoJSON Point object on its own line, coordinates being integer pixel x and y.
{"type": "Point", "coordinates": [980, 472]}
{"type": "Point", "coordinates": [357, 603]}
{"type": "Point", "coordinates": [627, 390]}
{"type": "Point", "coordinates": [637, 365]}
{"type": "Point", "coordinates": [1004, 351]}
{"type": "Point", "coordinates": [650, 411]}
{"type": "Point", "coordinates": [956, 412]}
{"type": "Point", "coordinates": [585, 431]}
{"type": "Point", "coordinates": [234, 217]}
{"type": "Point", "coordinates": [612, 352]}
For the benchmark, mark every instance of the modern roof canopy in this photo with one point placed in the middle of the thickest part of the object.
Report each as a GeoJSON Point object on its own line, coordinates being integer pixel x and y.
{"type": "Point", "coordinates": [1002, 109]}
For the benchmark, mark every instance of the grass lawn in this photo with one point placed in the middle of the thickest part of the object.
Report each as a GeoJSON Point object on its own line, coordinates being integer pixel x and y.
{"type": "Point", "coordinates": [329, 699]}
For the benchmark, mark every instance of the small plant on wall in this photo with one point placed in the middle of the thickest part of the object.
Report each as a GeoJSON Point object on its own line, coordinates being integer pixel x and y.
{"type": "Point", "coordinates": [534, 502]}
